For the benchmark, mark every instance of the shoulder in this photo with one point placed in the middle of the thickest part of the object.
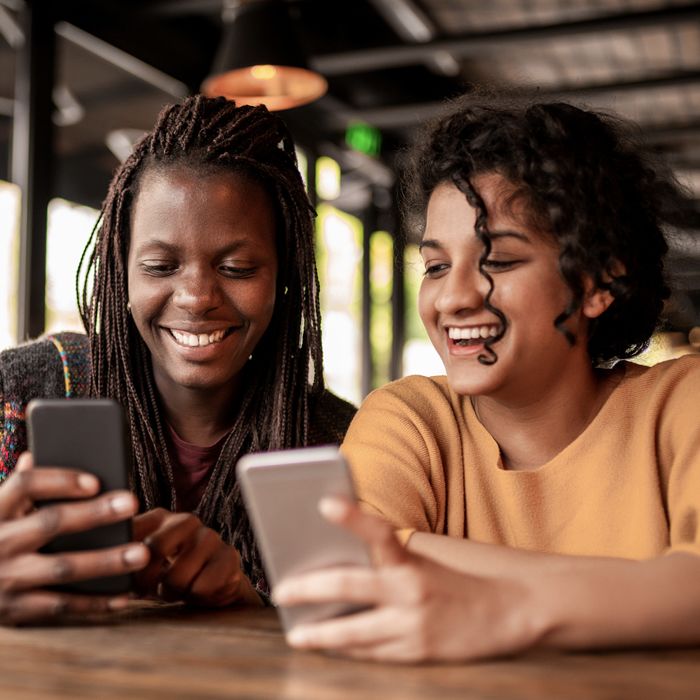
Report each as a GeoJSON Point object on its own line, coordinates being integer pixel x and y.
{"type": "Point", "coordinates": [663, 398]}
{"type": "Point", "coordinates": [330, 418]}
{"type": "Point", "coordinates": [37, 367]}
{"type": "Point", "coordinates": [672, 379]}
{"type": "Point", "coordinates": [415, 393]}
{"type": "Point", "coordinates": [48, 367]}
{"type": "Point", "coordinates": [415, 405]}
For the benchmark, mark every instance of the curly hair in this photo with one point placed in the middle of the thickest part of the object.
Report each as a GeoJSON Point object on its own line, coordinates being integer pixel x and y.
{"type": "Point", "coordinates": [587, 181]}
{"type": "Point", "coordinates": [286, 371]}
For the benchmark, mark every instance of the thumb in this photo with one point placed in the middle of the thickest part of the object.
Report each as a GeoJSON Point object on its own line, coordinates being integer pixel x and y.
{"type": "Point", "coordinates": [377, 533]}
{"type": "Point", "coordinates": [24, 462]}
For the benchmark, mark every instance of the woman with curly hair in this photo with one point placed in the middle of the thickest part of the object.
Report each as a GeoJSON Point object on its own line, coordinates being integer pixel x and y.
{"type": "Point", "coordinates": [546, 491]}
{"type": "Point", "coordinates": [201, 313]}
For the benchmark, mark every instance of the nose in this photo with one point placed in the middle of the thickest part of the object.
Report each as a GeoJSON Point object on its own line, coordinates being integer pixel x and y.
{"type": "Point", "coordinates": [197, 291]}
{"type": "Point", "coordinates": [463, 288]}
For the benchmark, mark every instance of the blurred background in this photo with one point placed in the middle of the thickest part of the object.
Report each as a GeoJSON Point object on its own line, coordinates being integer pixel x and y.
{"type": "Point", "coordinates": [80, 80]}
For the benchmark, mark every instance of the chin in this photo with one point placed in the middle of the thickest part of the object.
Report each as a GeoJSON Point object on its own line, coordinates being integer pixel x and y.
{"type": "Point", "coordinates": [470, 384]}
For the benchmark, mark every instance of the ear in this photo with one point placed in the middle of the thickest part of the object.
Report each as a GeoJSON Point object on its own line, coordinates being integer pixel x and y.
{"type": "Point", "coordinates": [595, 300]}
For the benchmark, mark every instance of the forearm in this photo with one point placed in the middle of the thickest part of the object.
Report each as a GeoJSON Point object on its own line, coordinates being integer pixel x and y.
{"type": "Point", "coordinates": [587, 602]}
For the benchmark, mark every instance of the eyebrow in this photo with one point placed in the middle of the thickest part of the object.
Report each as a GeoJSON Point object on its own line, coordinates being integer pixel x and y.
{"type": "Point", "coordinates": [155, 243]}
{"type": "Point", "coordinates": [494, 235]}
{"type": "Point", "coordinates": [429, 243]}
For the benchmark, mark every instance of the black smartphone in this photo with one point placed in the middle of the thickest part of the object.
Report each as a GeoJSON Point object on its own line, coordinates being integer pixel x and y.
{"type": "Point", "coordinates": [281, 491]}
{"type": "Point", "coordinates": [89, 435]}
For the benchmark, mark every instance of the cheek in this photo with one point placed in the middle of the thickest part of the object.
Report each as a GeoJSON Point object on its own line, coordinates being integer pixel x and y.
{"type": "Point", "coordinates": [259, 302]}
{"type": "Point", "coordinates": [426, 306]}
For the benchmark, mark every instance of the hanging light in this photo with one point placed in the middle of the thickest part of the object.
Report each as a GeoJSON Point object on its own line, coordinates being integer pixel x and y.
{"type": "Point", "coordinates": [260, 61]}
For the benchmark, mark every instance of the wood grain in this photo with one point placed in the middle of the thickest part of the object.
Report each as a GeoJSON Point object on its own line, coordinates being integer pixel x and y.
{"type": "Point", "coordinates": [180, 654]}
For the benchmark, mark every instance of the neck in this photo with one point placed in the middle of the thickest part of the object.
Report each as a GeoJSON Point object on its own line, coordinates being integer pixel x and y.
{"type": "Point", "coordinates": [199, 417]}
{"type": "Point", "coordinates": [533, 431]}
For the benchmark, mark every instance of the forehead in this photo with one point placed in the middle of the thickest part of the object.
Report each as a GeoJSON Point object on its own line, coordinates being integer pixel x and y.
{"type": "Point", "coordinates": [507, 205]}
{"type": "Point", "coordinates": [197, 208]}
{"type": "Point", "coordinates": [181, 185]}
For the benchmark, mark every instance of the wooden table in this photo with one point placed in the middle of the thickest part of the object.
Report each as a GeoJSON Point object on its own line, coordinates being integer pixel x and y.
{"type": "Point", "coordinates": [180, 654]}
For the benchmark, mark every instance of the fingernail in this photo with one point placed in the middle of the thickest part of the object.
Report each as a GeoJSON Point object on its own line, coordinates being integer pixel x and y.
{"type": "Point", "coordinates": [123, 503]}
{"type": "Point", "coordinates": [135, 556]}
{"type": "Point", "coordinates": [297, 637]}
{"type": "Point", "coordinates": [279, 594]}
{"type": "Point", "coordinates": [332, 508]}
{"type": "Point", "coordinates": [118, 603]}
{"type": "Point", "coordinates": [87, 482]}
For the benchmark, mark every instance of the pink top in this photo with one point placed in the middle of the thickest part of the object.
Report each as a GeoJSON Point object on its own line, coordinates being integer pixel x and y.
{"type": "Point", "coordinates": [192, 466]}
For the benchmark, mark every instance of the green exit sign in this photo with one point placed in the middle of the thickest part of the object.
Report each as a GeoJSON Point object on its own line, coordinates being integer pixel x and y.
{"type": "Point", "coordinates": [363, 138]}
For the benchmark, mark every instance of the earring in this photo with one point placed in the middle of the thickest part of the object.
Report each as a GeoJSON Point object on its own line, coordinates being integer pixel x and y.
{"type": "Point", "coordinates": [128, 307]}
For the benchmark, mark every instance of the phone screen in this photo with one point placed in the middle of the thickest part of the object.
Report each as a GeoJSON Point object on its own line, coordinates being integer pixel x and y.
{"type": "Point", "coordinates": [89, 435]}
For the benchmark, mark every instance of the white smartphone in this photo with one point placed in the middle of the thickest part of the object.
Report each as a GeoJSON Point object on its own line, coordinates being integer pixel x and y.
{"type": "Point", "coordinates": [281, 491]}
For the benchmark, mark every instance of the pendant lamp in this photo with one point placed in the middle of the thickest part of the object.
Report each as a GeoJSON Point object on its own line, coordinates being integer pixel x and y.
{"type": "Point", "coordinates": [260, 61]}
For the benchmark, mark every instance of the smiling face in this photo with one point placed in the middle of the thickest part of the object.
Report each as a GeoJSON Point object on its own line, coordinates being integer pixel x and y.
{"type": "Point", "coordinates": [528, 288]}
{"type": "Point", "coordinates": [202, 272]}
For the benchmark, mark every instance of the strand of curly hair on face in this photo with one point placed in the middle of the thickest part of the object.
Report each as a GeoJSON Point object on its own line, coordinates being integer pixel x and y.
{"type": "Point", "coordinates": [285, 372]}
{"type": "Point", "coordinates": [560, 158]}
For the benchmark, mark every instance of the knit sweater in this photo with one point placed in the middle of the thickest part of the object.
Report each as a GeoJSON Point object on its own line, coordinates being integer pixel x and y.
{"type": "Point", "coordinates": [627, 486]}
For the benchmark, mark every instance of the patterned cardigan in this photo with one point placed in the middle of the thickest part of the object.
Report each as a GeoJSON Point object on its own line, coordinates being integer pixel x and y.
{"type": "Point", "coordinates": [57, 366]}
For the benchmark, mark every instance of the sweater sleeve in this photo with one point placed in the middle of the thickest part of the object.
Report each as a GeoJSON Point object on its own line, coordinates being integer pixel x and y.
{"type": "Point", "coordinates": [33, 369]}
{"type": "Point", "coordinates": [395, 451]}
{"type": "Point", "coordinates": [680, 431]}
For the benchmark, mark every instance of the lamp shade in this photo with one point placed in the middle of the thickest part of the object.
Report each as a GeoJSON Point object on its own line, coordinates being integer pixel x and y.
{"type": "Point", "coordinates": [261, 62]}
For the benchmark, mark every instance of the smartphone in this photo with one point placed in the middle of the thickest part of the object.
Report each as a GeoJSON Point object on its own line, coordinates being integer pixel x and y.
{"type": "Point", "coordinates": [281, 491]}
{"type": "Point", "coordinates": [85, 434]}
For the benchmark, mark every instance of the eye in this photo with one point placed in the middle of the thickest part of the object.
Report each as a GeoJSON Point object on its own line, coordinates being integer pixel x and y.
{"type": "Point", "coordinates": [435, 270]}
{"type": "Point", "coordinates": [157, 268]}
{"type": "Point", "coordinates": [236, 271]}
{"type": "Point", "coordinates": [493, 265]}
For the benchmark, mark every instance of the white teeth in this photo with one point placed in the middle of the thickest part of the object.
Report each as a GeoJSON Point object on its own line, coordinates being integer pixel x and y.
{"type": "Point", "coordinates": [193, 340]}
{"type": "Point", "coordinates": [472, 333]}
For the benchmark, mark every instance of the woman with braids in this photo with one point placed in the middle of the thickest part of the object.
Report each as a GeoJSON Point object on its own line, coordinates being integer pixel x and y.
{"type": "Point", "coordinates": [546, 492]}
{"type": "Point", "coordinates": [202, 319]}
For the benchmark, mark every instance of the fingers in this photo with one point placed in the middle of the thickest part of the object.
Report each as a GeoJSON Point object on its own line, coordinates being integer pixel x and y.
{"type": "Point", "coordinates": [26, 486]}
{"type": "Point", "coordinates": [361, 586]}
{"type": "Point", "coordinates": [175, 532]}
{"type": "Point", "coordinates": [377, 533]}
{"type": "Point", "coordinates": [144, 524]}
{"type": "Point", "coordinates": [363, 629]}
{"type": "Point", "coordinates": [193, 558]}
{"type": "Point", "coordinates": [24, 461]}
{"type": "Point", "coordinates": [42, 525]}
{"type": "Point", "coordinates": [33, 570]}
{"type": "Point", "coordinates": [189, 561]}
{"type": "Point", "coordinates": [38, 606]}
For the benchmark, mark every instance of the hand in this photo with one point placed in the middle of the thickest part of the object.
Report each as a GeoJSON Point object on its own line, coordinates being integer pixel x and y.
{"type": "Point", "coordinates": [420, 609]}
{"type": "Point", "coordinates": [189, 561]}
{"type": "Point", "coordinates": [25, 572]}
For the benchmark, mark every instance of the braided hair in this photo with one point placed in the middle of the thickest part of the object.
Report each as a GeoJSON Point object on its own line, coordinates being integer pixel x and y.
{"type": "Point", "coordinates": [285, 374]}
{"type": "Point", "coordinates": [587, 182]}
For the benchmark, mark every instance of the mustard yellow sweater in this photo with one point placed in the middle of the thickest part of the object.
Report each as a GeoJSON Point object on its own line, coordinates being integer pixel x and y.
{"type": "Point", "coordinates": [628, 486]}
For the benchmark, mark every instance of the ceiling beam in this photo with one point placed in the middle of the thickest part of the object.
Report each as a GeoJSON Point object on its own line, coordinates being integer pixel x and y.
{"type": "Point", "coordinates": [411, 114]}
{"type": "Point", "coordinates": [368, 59]}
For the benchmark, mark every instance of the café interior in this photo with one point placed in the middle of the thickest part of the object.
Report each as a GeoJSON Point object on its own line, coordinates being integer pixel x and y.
{"type": "Point", "coordinates": [75, 97]}
{"type": "Point", "coordinates": [82, 80]}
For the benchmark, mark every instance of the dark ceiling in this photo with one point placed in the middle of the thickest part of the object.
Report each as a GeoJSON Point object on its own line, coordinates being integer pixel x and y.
{"type": "Point", "coordinates": [391, 63]}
